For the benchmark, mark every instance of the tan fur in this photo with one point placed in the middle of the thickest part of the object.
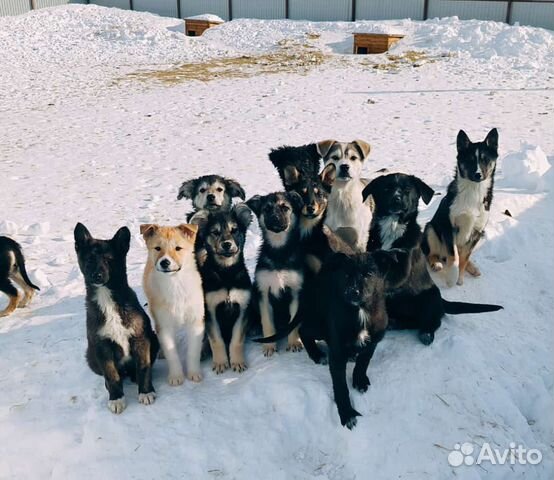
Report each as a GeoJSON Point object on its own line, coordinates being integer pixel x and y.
{"type": "Point", "coordinates": [19, 300]}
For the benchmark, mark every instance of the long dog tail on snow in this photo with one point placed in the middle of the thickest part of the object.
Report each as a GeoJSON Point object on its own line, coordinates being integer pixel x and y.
{"type": "Point", "coordinates": [455, 308]}
{"type": "Point", "coordinates": [21, 265]}
{"type": "Point", "coordinates": [283, 333]}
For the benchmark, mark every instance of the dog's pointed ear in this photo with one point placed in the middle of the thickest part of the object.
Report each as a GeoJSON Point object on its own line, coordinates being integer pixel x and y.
{"type": "Point", "coordinates": [492, 139]}
{"type": "Point", "coordinates": [188, 230]}
{"type": "Point", "coordinates": [148, 229]}
{"type": "Point", "coordinates": [394, 265]}
{"type": "Point", "coordinates": [341, 242]}
{"type": "Point", "coordinates": [122, 239]}
{"type": "Point", "coordinates": [364, 147]}
{"type": "Point", "coordinates": [186, 190]}
{"type": "Point", "coordinates": [243, 214]}
{"type": "Point", "coordinates": [82, 235]}
{"type": "Point", "coordinates": [425, 191]}
{"type": "Point", "coordinates": [291, 175]}
{"type": "Point", "coordinates": [255, 204]}
{"type": "Point", "coordinates": [324, 146]}
{"type": "Point", "coordinates": [234, 189]}
{"type": "Point", "coordinates": [200, 218]}
{"type": "Point", "coordinates": [462, 141]}
{"type": "Point", "coordinates": [328, 175]}
{"type": "Point", "coordinates": [295, 200]}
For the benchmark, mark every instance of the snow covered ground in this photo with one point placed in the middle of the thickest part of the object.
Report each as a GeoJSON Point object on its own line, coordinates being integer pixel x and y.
{"type": "Point", "coordinates": [82, 141]}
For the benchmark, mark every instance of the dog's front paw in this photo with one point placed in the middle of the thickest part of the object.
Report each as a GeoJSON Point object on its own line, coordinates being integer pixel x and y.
{"type": "Point", "coordinates": [348, 418]}
{"type": "Point", "coordinates": [269, 349]}
{"type": "Point", "coordinates": [117, 406]}
{"type": "Point", "coordinates": [239, 366]}
{"type": "Point", "coordinates": [426, 337]}
{"type": "Point", "coordinates": [361, 383]}
{"type": "Point", "coordinates": [436, 266]}
{"type": "Point", "coordinates": [195, 377]}
{"type": "Point", "coordinates": [220, 367]}
{"type": "Point", "coordinates": [295, 346]}
{"type": "Point", "coordinates": [175, 379]}
{"type": "Point", "coordinates": [472, 269]}
{"type": "Point", "coordinates": [147, 398]}
{"type": "Point", "coordinates": [460, 280]}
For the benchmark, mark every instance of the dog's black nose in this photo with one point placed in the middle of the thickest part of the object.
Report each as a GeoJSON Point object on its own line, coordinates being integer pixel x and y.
{"type": "Point", "coordinates": [165, 263]}
{"type": "Point", "coordinates": [310, 209]}
{"type": "Point", "coordinates": [97, 277]}
{"type": "Point", "coordinates": [477, 176]}
{"type": "Point", "coordinates": [227, 245]}
{"type": "Point", "coordinates": [210, 197]}
{"type": "Point", "coordinates": [344, 168]}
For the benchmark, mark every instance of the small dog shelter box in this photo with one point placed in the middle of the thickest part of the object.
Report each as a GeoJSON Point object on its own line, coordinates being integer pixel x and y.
{"type": "Point", "coordinates": [374, 42]}
{"type": "Point", "coordinates": [194, 27]}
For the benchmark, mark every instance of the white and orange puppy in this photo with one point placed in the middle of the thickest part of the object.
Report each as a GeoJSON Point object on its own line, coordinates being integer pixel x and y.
{"type": "Point", "coordinates": [173, 287]}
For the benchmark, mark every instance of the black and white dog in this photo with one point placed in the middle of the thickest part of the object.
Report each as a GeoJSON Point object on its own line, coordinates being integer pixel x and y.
{"type": "Point", "coordinates": [279, 275]}
{"type": "Point", "coordinates": [416, 303]}
{"type": "Point", "coordinates": [12, 268]}
{"type": "Point", "coordinates": [210, 192]}
{"type": "Point", "coordinates": [226, 283]}
{"type": "Point", "coordinates": [459, 222]}
{"type": "Point", "coordinates": [120, 337]}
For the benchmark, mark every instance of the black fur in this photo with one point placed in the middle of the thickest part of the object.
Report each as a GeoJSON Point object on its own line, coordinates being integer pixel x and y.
{"type": "Point", "coordinates": [103, 265]}
{"type": "Point", "coordinates": [295, 164]}
{"type": "Point", "coordinates": [417, 303]}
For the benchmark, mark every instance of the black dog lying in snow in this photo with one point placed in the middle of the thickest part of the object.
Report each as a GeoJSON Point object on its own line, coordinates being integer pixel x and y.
{"type": "Point", "coordinates": [120, 337]}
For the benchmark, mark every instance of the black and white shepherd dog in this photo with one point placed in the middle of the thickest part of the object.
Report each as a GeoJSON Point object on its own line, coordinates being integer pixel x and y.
{"type": "Point", "coordinates": [459, 222]}
{"type": "Point", "coordinates": [279, 275]}
{"type": "Point", "coordinates": [120, 338]}
{"type": "Point", "coordinates": [226, 283]}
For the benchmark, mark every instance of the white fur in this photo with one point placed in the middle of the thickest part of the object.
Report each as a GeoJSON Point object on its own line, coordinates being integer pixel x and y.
{"type": "Point", "coordinates": [117, 406]}
{"type": "Point", "coordinates": [276, 240]}
{"type": "Point", "coordinates": [113, 327]}
{"type": "Point", "coordinates": [307, 225]}
{"type": "Point", "coordinates": [346, 209]}
{"type": "Point", "coordinates": [390, 230]}
{"type": "Point", "coordinates": [363, 317]}
{"type": "Point", "coordinates": [234, 295]}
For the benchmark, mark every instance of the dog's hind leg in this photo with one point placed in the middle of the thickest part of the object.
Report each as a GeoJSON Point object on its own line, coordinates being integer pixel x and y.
{"type": "Point", "coordinates": [268, 325]}
{"type": "Point", "coordinates": [28, 291]}
{"type": "Point", "coordinates": [294, 342]}
{"type": "Point", "coordinates": [236, 348]}
{"type": "Point", "coordinates": [360, 380]}
{"type": "Point", "coordinates": [7, 287]}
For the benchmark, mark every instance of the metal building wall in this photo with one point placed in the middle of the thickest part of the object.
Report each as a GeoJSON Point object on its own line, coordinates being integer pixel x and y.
{"type": "Point", "coordinates": [55, 3]}
{"type": "Point", "coordinates": [165, 8]}
{"type": "Point", "coordinates": [259, 9]}
{"type": "Point", "coordinates": [124, 4]}
{"type": "Point", "coordinates": [468, 10]}
{"type": "Point", "coordinates": [14, 7]}
{"type": "Point", "coordinates": [391, 9]}
{"type": "Point", "coordinates": [198, 7]}
{"type": "Point", "coordinates": [320, 10]}
{"type": "Point", "coordinates": [536, 14]}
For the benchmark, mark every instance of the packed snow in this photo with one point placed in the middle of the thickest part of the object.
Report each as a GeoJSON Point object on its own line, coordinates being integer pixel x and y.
{"type": "Point", "coordinates": [82, 141]}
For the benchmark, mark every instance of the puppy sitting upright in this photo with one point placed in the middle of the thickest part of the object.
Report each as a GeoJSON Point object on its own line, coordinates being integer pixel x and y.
{"type": "Point", "coordinates": [120, 338]}
{"type": "Point", "coordinates": [12, 268]}
{"type": "Point", "coordinates": [173, 287]}
{"type": "Point", "coordinates": [279, 272]}
{"type": "Point", "coordinates": [226, 283]}
{"type": "Point", "coordinates": [416, 303]}
{"type": "Point", "coordinates": [459, 222]}
{"type": "Point", "coordinates": [343, 168]}
{"type": "Point", "coordinates": [210, 192]}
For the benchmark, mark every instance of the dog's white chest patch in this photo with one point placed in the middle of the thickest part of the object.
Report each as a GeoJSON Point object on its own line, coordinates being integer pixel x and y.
{"type": "Point", "coordinates": [113, 327]}
{"type": "Point", "coordinates": [234, 295]}
{"type": "Point", "coordinates": [275, 281]}
{"type": "Point", "coordinates": [390, 230]}
{"type": "Point", "coordinates": [469, 203]}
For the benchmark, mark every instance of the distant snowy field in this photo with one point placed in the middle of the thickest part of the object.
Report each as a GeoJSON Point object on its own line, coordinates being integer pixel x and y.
{"type": "Point", "coordinates": [81, 141]}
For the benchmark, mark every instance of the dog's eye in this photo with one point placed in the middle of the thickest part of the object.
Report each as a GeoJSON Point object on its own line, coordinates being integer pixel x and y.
{"type": "Point", "coordinates": [234, 230]}
{"type": "Point", "coordinates": [219, 189]}
{"type": "Point", "coordinates": [285, 208]}
{"type": "Point", "coordinates": [304, 190]}
{"type": "Point", "coordinates": [178, 248]}
{"type": "Point", "coordinates": [215, 232]}
{"type": "Point", "coordinates": [202, 190]}
{"type": "Point", "coordinates": [335, 157]}
{"type": "Point", "coordinates": [353, 158]}
{"type": "Point", "coordinates": [157, 249]}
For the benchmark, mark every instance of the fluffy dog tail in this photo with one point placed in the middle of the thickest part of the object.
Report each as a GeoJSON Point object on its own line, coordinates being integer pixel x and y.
{"type": "Point", "coordinates": [283, 333]}
{"type": "Point", "coordinates": [21, 265]}
{"type": "Point", "coordinates": [455, 308]}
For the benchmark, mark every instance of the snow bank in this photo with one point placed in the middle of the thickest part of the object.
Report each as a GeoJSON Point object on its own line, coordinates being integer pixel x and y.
{"type": "Point", "coordinates": [208, 17]}
{"type": "Point", "coordinates": [525, 169]}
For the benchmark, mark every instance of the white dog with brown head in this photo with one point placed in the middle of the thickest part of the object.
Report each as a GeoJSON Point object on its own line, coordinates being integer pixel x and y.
{"type": "Point", "coordinates": [343, 163]}
{"type": "Point", "coordinates": [173, 287]}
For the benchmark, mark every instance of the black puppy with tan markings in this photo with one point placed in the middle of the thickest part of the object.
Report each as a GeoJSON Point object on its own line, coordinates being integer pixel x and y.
{"type": "Point", "coordinates": [121, 341]}
{"type": "Point", "coordinates": [226, 283]}
{"type": "Point", "coordinates": [416, 303]}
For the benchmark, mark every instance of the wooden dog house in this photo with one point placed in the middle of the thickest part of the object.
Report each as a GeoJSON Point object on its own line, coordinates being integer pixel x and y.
{"type": "Point", "coordinates": [374, 42]}
{"type": "Point", "coordinates": [195, 28]}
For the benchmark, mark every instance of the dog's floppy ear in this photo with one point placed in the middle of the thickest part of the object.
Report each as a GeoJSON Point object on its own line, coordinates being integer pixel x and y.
{"type": "Point", "coordinates": [424, 190]}
{"type": "Point", "coordinates": [188, 230]}
{"type": "Point", "coordinates": [291, 175]}
{"type": "Point", "coordinates": [255, 204]}
{"type": "Point", "coordinates": [364, 147]}
{"type": "Point", "coordinates": [122, 239]}
{"type": "Point", "coordinates": [234, 189]}
{"type": "Point", "coordinates": [244, 214]}
{"type": "Point", "coordinates": [295, 200]}
{"type": "Point", "coordinates": [324, 146]}
{"type": "Point", "coordinates": [187, 189]}
{"type": "Point", "coordinates": [148, 229]}
{"type": "Point", "coordinates": [341, 241]}
{"type": "Point", "coordinates": [82, 235]}
{"type": "Point", "coordinates": [462, 141]}
{"type": "Point", "coordinates": [371, 187]}
{"type": "Point", "coordinates": [394, 265]}
{"type": "Point", "coordinates": [328, 175]}
{"type": "Point", "coordinates": [200, 218]}
{"type": "Point", "coordinates": [492, 139]}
